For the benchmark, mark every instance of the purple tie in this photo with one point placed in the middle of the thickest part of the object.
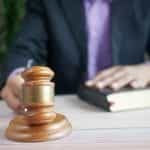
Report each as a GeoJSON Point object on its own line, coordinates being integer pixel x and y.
{"type": "Point", "coordinates": [99, 38]}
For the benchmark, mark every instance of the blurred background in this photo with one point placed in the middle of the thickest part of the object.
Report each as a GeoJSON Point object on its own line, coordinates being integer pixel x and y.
{"type": "Point", "coordinates": [11, 12]}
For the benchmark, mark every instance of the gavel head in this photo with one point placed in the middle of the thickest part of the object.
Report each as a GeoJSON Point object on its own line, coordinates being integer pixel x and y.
{"type": "Point", "coordinates": [37, 88]}
{"type": "Point", "coordinates": [38, 95]}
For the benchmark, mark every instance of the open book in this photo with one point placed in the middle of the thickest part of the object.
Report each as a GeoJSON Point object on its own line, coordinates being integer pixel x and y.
{"type": "Point", "coordinates": [116, 101]}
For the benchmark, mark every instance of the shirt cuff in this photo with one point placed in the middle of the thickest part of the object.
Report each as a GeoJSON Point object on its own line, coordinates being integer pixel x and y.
{"type": "Point", "coordinates": [16, 72]}
{"type": "Point", "coordinates": [147, 62]}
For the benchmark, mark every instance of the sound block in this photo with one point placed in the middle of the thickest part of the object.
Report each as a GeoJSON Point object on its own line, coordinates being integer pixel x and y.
{"type": "Point", "coordinates": [20, 130]}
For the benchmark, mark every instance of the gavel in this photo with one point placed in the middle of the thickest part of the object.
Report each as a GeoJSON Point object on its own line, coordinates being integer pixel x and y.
{"type": "Point", "coordinates": [38, 121]}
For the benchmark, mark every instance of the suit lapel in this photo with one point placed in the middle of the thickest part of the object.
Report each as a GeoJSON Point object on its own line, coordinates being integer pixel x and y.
{"type": "Point", "coordinates": [74, 13]}
{"type": "Point", "coordinates": [75, 16]}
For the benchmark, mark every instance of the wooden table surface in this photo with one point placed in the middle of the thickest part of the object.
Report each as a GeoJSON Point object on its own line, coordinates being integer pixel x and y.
{"type": "Point", "coordinates": [93, 128]}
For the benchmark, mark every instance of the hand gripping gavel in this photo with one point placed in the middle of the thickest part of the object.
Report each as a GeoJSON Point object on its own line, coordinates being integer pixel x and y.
{"type": "Point", "coordinates": [38, 121]}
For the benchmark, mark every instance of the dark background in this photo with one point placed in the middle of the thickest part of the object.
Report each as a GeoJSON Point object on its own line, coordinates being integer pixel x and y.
{"type": "Point", "coordinates": [11, 12]}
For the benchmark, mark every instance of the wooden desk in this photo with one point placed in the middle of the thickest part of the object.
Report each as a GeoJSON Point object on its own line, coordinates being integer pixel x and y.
{"type": "Point", "coordinates": [92, 128]}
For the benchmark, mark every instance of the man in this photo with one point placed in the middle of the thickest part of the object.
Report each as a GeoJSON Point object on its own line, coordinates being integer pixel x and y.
{"type": "Point", "coordinates": [98, 42]}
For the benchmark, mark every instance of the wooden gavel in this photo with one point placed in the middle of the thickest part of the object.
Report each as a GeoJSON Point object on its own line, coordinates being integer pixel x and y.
{"type": "Point", "coordinates": [38, 121]}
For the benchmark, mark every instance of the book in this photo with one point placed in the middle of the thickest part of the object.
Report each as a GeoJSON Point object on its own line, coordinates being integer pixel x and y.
{"type": "Point", "coordinates": [122, 100]}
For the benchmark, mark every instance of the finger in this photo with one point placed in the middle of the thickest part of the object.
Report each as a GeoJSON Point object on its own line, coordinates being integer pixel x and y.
{"type": "Point", "coordinates": [10, 99]}
{"type": "Point", "coordinates": [106, 73]}
{"type": "Point", "coordinates": [17, 92]}
{"type": "Point", "coordinates": [122, 82]}
{"type": "Point", "coordinates": [109, 80]}
{"type": "Point", "coordinates": [15, 84]}
{"type": "Point", "coordinates": [13, 102]}
{"type": "Point", "coordinates": [102, 75]}
{"type": "Point", "coordinates": [138, 84]}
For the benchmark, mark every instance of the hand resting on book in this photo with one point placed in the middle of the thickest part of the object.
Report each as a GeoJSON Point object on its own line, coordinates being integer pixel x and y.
{"type": "Point", "coordinates": [135, 76]}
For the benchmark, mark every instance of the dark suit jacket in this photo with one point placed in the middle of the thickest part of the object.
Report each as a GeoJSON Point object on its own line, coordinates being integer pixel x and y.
{"type": "Point", "coordinates": [53, 33]}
